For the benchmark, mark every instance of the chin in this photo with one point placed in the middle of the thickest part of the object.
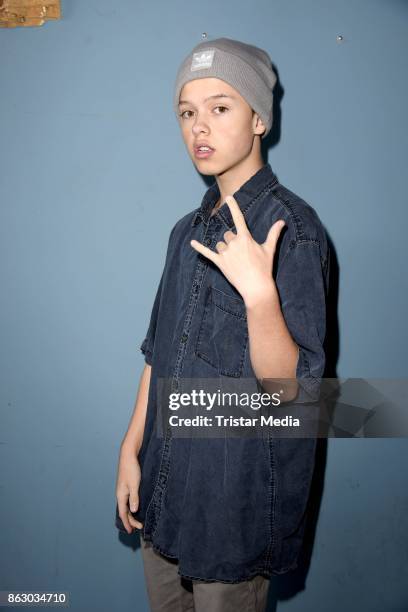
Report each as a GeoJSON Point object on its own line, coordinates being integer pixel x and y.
{"type": "Point", "coordinates": [205, 167]}
{"type": "Point", "coordinates": [205, 171]}
{"type": "Point", "coordinates": [216, 168]}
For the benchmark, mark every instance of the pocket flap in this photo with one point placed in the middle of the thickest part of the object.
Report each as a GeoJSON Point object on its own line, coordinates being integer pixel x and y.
{"type": "Point", "coordinates": [232, 305]}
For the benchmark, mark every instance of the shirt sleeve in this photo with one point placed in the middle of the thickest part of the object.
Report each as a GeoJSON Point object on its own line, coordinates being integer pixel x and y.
{"type": "Point", "coordinates": [302, 283]}
{"type": "Point", "coordinates": [148, 343]}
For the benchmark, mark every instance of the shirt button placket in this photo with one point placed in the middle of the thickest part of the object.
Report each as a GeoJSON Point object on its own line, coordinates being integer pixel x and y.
{"type": "Point", "coordinates": [195, 288]}
{"type": "Point", "coordinates": [196, 285]}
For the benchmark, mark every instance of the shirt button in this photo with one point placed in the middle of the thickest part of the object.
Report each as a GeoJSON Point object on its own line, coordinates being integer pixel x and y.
{"type": "Point", "coordinates": [184, 338]}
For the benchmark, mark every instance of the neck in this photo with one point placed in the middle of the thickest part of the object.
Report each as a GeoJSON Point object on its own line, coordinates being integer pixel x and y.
{"type": "Point", "coordinates": [230, 180]}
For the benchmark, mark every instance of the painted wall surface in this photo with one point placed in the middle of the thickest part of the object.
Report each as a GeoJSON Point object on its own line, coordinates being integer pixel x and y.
{"type": "Point", "coordinates": [94, 174]}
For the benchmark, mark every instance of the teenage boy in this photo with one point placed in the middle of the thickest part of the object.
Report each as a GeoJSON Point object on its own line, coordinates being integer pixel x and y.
{"type": "Point", "coordinates": [242, 295]}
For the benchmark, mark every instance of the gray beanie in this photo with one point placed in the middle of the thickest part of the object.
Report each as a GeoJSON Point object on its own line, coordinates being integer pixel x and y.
{"type": "Point", "coordinates": [245, 67]}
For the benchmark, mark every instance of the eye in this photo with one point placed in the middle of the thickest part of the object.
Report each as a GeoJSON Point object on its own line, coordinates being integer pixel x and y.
{"type": "Point", "coordinates": [183, 113]}
{"type": "Point", "coordinates": [224, 107]}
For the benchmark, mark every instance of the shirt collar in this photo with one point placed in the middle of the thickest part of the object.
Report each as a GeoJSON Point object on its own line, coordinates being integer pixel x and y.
{"type": "Point", "coordinates": [263, 178]}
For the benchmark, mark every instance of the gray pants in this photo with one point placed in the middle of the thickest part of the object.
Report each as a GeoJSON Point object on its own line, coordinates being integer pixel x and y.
{"type": "Point", "coordinates": [169, 592]}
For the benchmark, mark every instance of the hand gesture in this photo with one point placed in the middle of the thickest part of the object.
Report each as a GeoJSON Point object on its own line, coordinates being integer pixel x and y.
{"type": "Point", "coordinates": [243, 261]}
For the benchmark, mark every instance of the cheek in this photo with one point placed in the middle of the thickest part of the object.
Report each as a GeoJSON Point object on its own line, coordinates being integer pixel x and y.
{"type": "Point", "coordinates": [186, 133]}
{"type": "Point", "coordinates": [237, 138]}
{"type": "Point", "coordinates": [238, 130]}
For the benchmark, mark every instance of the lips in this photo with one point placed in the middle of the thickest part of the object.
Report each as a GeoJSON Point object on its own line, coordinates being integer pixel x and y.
{"type": "Point", "coordinates": [203, 151]}
{"type": "Point", "coordinates": [203, 147]}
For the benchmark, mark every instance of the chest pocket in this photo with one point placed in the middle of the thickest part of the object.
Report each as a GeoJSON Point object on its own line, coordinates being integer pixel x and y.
{"type": "Point", "coordinates": [223, 335]}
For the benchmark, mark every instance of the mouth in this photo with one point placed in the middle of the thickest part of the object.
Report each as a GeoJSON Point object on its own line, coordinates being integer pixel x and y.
{"type": "Point", "coordinates": [203, 151]}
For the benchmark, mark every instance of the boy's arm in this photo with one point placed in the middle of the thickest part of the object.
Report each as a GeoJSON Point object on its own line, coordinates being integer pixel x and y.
{"type": "Point", "coordinates": [128, 470]}
{"type": "Point", "coordinates": [273, 352]}
{"type": "Point", "coordinates": [133, 438]}
{"type": "Point", "coordinates": [287, 326]}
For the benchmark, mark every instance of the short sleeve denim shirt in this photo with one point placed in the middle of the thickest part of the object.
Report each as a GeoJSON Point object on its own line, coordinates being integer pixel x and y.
{"type": "Point", "coordinates": [229, 509]}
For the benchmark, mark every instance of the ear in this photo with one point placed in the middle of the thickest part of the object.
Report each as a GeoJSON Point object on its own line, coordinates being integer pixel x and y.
{"type": "Point", "coordinates": [259, 126]}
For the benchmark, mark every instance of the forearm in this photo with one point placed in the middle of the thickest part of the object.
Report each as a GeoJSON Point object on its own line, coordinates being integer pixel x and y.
{"type": "Point", "coordinates": [273, 352]}
{"type": "Point", "coordinates": [133, 438]}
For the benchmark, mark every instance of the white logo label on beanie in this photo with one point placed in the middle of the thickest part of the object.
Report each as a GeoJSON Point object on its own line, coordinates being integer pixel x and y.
{"type": "Point", "coordinates": [202, 59]}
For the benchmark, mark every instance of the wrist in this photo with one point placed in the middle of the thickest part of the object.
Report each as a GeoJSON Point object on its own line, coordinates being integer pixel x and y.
{"type": "Point", "coordinates": [268, 296]}
{"type": "Point", "coordinates": [129, 449]}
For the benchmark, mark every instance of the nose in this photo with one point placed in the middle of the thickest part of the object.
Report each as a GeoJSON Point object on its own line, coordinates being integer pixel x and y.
{"type": "Point", "coordinates": [199, 126]}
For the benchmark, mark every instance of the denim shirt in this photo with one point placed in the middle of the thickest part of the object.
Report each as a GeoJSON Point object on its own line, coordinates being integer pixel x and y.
{"type": "Point", "coordinates": [230, 508]}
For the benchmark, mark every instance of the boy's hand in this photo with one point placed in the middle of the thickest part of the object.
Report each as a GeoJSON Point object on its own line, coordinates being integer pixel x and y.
{"type": "Point", "coordinates": [127, 491]}
{"type": "Point", "coordinates": [243, 261]}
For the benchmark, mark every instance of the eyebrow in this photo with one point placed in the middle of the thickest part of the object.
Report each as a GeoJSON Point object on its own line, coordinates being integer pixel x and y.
{"type": "Point", "coordinates": [221, 95]}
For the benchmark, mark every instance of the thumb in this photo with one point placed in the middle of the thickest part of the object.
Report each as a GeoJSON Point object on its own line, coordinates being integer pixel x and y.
{"type": "Point", "coordinates": [133, 501]}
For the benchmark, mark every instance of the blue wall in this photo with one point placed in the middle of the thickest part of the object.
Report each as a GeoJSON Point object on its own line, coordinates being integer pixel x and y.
{"type": "Point", "coordinates": [94, 174]}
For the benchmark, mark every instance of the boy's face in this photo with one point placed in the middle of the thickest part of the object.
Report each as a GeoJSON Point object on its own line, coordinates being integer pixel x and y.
{"type": "Point", "coordinates": [227, 124]}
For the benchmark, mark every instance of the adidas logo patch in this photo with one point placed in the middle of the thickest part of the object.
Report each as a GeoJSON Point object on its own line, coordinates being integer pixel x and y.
{"type": "Point", "coordinates": [202, 59]}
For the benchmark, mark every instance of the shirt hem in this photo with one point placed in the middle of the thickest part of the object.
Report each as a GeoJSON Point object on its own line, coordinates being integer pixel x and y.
{"type": "Point", "coordinates": [242, 578]}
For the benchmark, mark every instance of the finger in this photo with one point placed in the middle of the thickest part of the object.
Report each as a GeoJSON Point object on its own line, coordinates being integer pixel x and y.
{"type": "Point", "coordinates": [204, 250]}
{"type": "Point", "coordinates": [134, 522]}
{"type": "Point", "coordinates": [123, 514]}
{"type": "Point", "coordinates": [133, 500]}
{"type": "Point", "coordinates": [229, 235]}
{"type": "Point", "coordinates": [236, 214]}
{"type": "Point", "coordinates": [273, 235]}
{"type": "Point", "coordinates": [220, 246]}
